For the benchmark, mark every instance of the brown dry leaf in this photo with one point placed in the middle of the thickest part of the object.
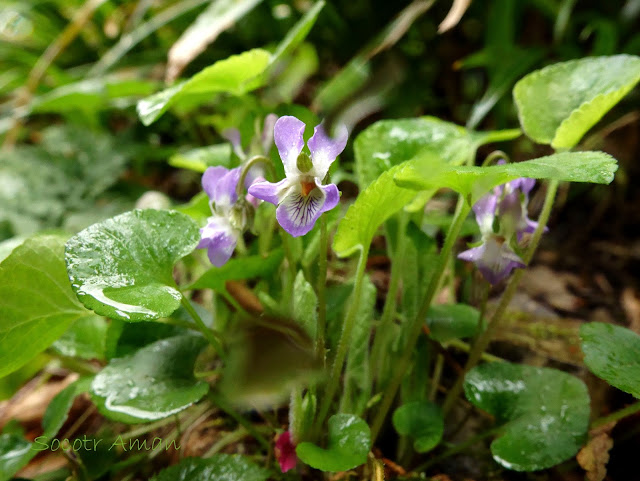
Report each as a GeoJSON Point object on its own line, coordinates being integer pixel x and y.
{"type": "Point", "coordinates": [30, 406]}
{"type": "Point", "coordinates": [593, 458]}
{"type": "Point", "coordinates": [543, 283]}
{"type": "Point", "coordinates": [631, 305]}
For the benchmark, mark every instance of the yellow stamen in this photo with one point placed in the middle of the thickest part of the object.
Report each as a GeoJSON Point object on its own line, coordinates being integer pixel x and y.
{"type": "Point", "coordinates": [307, 187]}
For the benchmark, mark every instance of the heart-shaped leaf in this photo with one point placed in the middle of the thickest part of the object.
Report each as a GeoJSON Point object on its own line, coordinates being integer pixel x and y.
{"type": "Point", "coordinates": [348, 446]}
{"type": "Point", "coordinates": [452, 321]}
{"type": "Point", "coordinates": [38, 305]}
{"type": "Point", "coordinates": [613, 354]}
{"type": "Point", "coordinates": [155, 382]}
{"type": "Point", "coordinates": [429, 172]}
{"type": "Point", "coordinates": [546, 412]}
{"type": "Point", "coordinates": [122, 268]}
{"type": "Point", "coordinates": [422, 421]}
{"type": "Point", "coordinates": [219, 467]}
{"type": "Point", "coordinates": [390, 142]}
{"type": "Point", "coordinates": [379, 201]}
{"type": "Point", "coordinates": [560, 103]}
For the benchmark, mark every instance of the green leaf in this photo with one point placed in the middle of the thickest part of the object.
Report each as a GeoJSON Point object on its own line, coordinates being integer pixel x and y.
{"type": "Point", "coordinates": [422, 421]}
{"type": "Point", "coordinates": [429, 172]}
{"type": "Point", "coordinates": [38, 304]}
{"type": "Point", "coordinates": [85, 339]}
{"type": "Point", "coordinates": [122, 268]}
{"type": "Point", "coordinates": [348, 446]}
{"type": "Point", "coordinates": [298, 33]}
{"type": "Point", "coordinates": [239, 268]}
{"type": "Point", "coordinates": [236, 75]}
{"type": "Point", "coordinates": [201, 158]}
{"type": "Point", "coordinates": [15, 453]}
{"type": "Point", "coordinates": [219, 16]}
{"type": "Point", "coordinates": [153, 383]}
{"type": "Point", "coordinates": [357, 374]}
{"type": "Point", "coordinates": [390, 142]}
{"type": "Point", "coordinates": [379, 201]}
{"type": "Point", "coordinates": [546, 412]}
{"type": "Point", "coordinates": [58, 409]}
{"type": "Point", "coordinates": [560, 103]}
{"type": "Point", "coordinates": [219, 467]}
{"type": "Point", "coordinates": [452, 321]}
{"type": "Point", "coordinates": [305, 305]}
{"type": "Point", "coordinates": [613, 354]}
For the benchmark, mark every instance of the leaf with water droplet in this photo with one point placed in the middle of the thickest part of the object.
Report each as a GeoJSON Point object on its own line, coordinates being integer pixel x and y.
{"type": "Point", "coordinates": [221, 467]}
{"type": "Point", "coordinates": [153, 383]}
{"type": "Point", "coordinates": [122, 268]}
{"type": "Point", "coordinates": [545, 411]}
{"type": "Point", "coordinates": [349, 444]}
{"type": "Point", "coordinates": [613, 354]}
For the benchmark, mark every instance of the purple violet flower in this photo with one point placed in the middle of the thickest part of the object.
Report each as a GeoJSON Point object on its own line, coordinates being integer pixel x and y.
{"type": "Point", "coordinates": [301, 197]}
{"type": "Point", "coordinates": [494, 257]}
{"type": "Point", "coordinates": [223, 228]}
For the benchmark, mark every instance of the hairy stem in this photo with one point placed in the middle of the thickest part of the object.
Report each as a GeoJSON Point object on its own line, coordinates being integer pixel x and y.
{"type": "Point", "coordinates": [389, 310]}
{"type": "Point", "coordinates": [321, 290]}
{"type": "Point", "coordinates": [616, 416]}
{"type": "Point", "coordinates": [343, 344]}
{"type": "Point", "coordinates": [202, 327]}
{"type": "Point", "coordinates": [462, 210]}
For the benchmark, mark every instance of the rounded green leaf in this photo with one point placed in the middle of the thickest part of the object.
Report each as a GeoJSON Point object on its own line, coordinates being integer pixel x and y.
{"type": "Point", "coordinates": [613, 354]}
{"type": "Point", "coordinates": [155, 382]}
{"type": "Point", "coordinates": [560, 103]}
{"type": "Point", "coordinates": [37, 305]}
{"type": "Point", "coordinates": [348, 446]}
{"type": "Point", "coordinates": [219, 467]}
{"type": "Point", "coordinates": [422, 421]}
{"type": "Point", "coordinates": [452, 321]}
{"type": "Point", "coordinates": [545, 411]}
{"type": "Point", "coordinates": [122, 267]}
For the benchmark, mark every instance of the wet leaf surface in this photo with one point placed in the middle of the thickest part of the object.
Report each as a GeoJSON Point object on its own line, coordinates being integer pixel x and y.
{"type": "Point", "coordinates": [545, 413]}
{"type": "Point", "coordinates": [613, 354]}
{"type": "Point", "coordinates": [153, 383]}
{"type": "Point", "coordinates": [220, 467]}
{"type": "Point", "coordinates": [348, 445]}
{"type": "Point", "coordinates": [122, 268]}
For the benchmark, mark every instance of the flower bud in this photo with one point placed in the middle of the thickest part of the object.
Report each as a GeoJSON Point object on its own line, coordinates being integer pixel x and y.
{"type": "Point", "coordinates": [304, 163]}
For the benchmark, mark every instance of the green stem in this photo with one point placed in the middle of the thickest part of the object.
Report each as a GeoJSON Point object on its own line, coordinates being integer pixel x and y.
{"type": "Point", "coordinates": [257, 159]}
{"type": "Point", "coordinates": [343, 344]}
{"type": "Point", "coordinates": [389, 310]}
{"type": "Point", "coordinates": [616, 416]}
{"type": "Point", "coordinates": [485, 338]}
{"type": "Point", "coordinates": [219, 401]}
{"type": "Point", "coordinates": [208, 333]}
{"type": "Point", "coordinates": [457, 449]}
{"type": "Point", "coordinates": [462, 210]}
{"type": "Point", "coordinates": [289, 280]}
{"type": "Point", "coordinates": [321, 290]}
